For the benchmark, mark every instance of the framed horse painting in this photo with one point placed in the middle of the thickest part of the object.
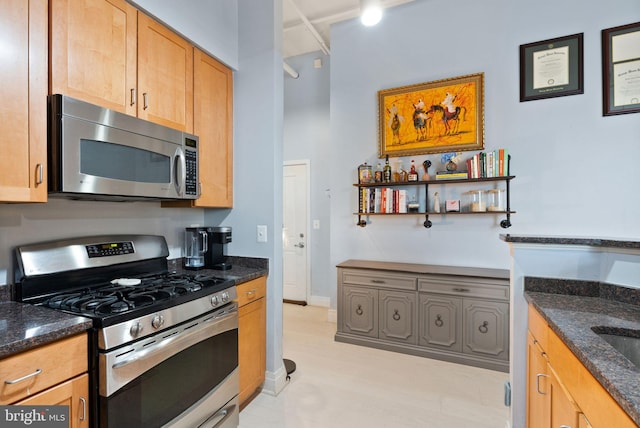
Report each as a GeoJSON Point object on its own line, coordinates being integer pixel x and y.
{"type": "Point", "coordinates": [433, 117]}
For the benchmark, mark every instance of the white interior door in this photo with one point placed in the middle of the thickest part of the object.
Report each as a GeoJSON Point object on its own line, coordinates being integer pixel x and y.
{"type": "Point", "coordinates": [295, 231]}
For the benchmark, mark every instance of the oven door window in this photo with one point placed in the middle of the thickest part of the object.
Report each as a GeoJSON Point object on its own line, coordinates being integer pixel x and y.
{"type": "Point", "coordinates": [160, 394]}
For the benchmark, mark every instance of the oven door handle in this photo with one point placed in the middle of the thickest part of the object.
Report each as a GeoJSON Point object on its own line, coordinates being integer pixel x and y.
{"type": "Point", "coordinates": [119, 369]}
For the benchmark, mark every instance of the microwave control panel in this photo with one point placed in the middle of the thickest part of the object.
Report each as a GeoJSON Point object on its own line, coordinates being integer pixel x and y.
{"type": "Point", "coordinates": [191, 161]}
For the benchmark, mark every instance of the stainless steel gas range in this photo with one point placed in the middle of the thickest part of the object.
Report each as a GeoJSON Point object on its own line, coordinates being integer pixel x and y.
{"type": "Point", "coordinates": [163, 347]}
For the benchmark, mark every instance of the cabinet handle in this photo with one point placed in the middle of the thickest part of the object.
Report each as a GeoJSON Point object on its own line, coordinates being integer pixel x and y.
{"type": "Point", "coordinates": [461, 290]}
{"type": "Point", "coordinates": [145, 100]}
{"type": "Point", "coordinates": [251, 293]}
{"type": "Point", "coordinates": [538, 383]}
{"type": "Point", "coordinates": [484, 327]}
{"type": "Point", "coordinates": [565, 426]}
{"type": "Point", "coordinates": [20, 379]}
{"type": "Point", "coordinates": [438, 322]}
{"type": "Point", "coordinates": [133, 96]}
{"type": "Point", "coordinates": [396, 315]}
{"type": "Point", "coordinates": [40, 169]}
{"type": "Point", "coordinates": [84, 408]}
{"type": "Point", "coordinates": [359, 311]}
{"type": "Point", "coordinates": [378, 281]}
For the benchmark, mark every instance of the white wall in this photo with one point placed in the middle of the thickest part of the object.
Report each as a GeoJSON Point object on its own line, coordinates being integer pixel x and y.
{"type": "Point", "coordinates": [574, 168]}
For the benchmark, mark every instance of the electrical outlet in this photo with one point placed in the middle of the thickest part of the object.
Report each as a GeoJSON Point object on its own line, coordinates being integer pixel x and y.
{"type": "Point", "coordinates": [261, 233]}
{"type": "Point", "coordinates": [316, 224]}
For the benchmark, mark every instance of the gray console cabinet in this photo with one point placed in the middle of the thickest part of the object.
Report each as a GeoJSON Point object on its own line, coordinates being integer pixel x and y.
{"type": "Point", "coordinates": [455, 314]}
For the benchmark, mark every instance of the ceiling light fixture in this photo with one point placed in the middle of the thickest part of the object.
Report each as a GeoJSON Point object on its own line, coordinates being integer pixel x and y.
{"type": "Point", "coordinates": [370, 12]}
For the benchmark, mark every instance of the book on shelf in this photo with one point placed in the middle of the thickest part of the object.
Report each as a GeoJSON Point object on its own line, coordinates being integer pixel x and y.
{"type": "Point", "coordinates": [451, 175]}
{"type": "Point", "coordinates": [489, 164]}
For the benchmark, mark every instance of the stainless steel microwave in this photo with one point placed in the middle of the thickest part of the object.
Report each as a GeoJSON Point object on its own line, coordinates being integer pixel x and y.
{"type": "Point", "coordinates": [101, 154]}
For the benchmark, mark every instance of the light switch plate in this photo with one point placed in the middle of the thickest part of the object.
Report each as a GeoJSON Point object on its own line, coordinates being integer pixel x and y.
{"type": "Point", "coordinates": [261, 233]}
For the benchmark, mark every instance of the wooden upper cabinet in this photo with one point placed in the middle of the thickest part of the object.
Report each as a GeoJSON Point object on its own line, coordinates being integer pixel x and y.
{"type": "Point", "coordinates": [165, 75]}
{"type": "Point", "coordinates": [23, 110]}
{"type": "Point", "coordinates": [94, 53]}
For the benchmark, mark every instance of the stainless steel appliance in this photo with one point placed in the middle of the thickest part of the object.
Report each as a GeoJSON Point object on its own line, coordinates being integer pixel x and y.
{"type": "Point", "coordinates": [164, 345]}
{"type": "Point", "coordinates": [101, 154]}
{"type": "Point", "coordinates": [204, 247]}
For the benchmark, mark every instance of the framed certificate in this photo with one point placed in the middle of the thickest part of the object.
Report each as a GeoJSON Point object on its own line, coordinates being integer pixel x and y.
{"type": "Point", "coordinates": [551, 68]}
{"type": "Point", "coordinates": [621, 69]}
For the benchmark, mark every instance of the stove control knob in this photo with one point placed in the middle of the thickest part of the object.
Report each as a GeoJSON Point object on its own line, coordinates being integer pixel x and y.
{"type": "Point", "coordinates": [135, 329]}
{"type": "Point", "coordinates": [157, 321]}
{"type": "Point", "coordinates": [215, 301]}
{"type": "Point", "coordinates": [225, 297]}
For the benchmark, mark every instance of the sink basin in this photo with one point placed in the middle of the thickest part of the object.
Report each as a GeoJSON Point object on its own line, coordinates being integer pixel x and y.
{"type": "Point", "coordinates": [627, 342]}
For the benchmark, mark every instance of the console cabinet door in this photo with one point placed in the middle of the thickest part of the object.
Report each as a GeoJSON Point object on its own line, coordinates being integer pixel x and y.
{"type": "Point", "coordinates": [93, 52]}
{"type": "Point", "coordinates": [360, 311]}
{"type": "Point", "coordinates": [486, 328]}
{"type": "Point", "coordinates": [397, 316]}
{"type": "Point", "coordinates": [440, 323]}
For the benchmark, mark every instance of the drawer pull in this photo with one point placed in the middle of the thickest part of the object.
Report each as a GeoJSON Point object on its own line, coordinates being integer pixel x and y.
{"type": "Point", "coordinates": [20, 379]}
{"type": "Point", "coordinates": [461, 290]}
{"type": "Point", "coordinates": [359, 311]}
{"type": "Point", "coordinates": [396, 315]}
{"type": "Point", "coordinates": [538, 383]}
{"type": "Point", "coordinates": [484, 327]}
{"type": "Point", "coordinates": [251, 293]}
{"type": "Point", "coordinates": [439, 322]}
{"type": "Point", "coordinates": [378, 281]}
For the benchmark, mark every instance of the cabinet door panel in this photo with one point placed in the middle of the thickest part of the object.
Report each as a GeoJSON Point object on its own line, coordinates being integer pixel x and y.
{"type": "Point", "coordinates": [538, 411]}
{"type": "Point", "coordinates": [251, 347]}
{"type": "Point", "coordinates": [486, 330]}
{"type": "Point", "coordinates": [23, 125]}
{"type": "Point", "coordinates": [93, 52]}
{"type": "Point", "coordinates": [165, 76]}
{"type": "Point", "coordinates": [360, 311]}
{"type": "Point", "coordinates": [213, 123]}
{"type": "Point", "coordinates": [564, 412]}
{"type": "Point", "coordinates": [440, 324]}
{"type": "Point", "coordinates": [397, 316]}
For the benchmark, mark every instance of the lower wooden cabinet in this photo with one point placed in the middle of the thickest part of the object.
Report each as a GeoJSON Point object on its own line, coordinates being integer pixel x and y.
{"type": "Point", "coordinates": [252, 336]}
{"type": "Point", "coordinates": [560, 390]}
{"type": "Point", "coordinates": [72, 393]}
{"type": "Point", "coordinates": [454, 317]}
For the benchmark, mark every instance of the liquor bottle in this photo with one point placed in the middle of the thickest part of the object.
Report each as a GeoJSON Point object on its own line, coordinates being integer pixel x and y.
{"type": "Point", "coordinates": [378, 173]}
{"type": "Point", "coordinates": [386, 175]}
{"type": "Point", "coordinates": [413, 174]}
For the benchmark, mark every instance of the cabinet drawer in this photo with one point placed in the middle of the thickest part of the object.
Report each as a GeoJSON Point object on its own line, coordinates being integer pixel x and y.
{"type": "Point", "coordinates": [379, 279]}
{"type": "Point", "coordinates": [41, 368]}
{"type": "Point", "coordinates": [251, 290]}
{"type": "Point", "coordinates": [466, 287]}
{"type": "Point", "coordinates": [538, 328]}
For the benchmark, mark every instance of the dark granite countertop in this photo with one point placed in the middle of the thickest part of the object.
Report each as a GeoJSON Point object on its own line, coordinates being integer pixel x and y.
{"type": "Point", "coordinates": [24, 326]}
{"type": "Point", "coordinates": [572, 240]}
{"type": "Point", "coordinates": [242, 269]}
{"type": "Point", "coordinates": [591, 304]}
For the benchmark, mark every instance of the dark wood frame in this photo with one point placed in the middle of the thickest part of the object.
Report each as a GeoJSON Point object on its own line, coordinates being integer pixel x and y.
{"type": "Point", "coordinates": [608, 76]}
{"type": "Point", "coordinates": [576, 68]}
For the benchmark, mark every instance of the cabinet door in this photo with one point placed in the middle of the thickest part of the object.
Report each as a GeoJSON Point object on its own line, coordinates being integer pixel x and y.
{"type": "Point", "coordinates": [251, 347]}
{"type": "Point", "coordinates": [564, 411]}
{"type": "Point", "coordinates": [440, 323]}
{"type": "Point", "coordinates": [397, 316]}
{"type": "Point", "coordinates": [73, 393]}
{"type": "Point", "coordinates": [93, 52]}
{"type": "Point", "coordinates": [23, 124]}
{"type": "Point", "coordinates": [486, 328]}
{"type": "Point", "coordinates": [359, 312]}
{"type": "Point", "coordinates": [165, 76]}
{"type": "Point", "coordinates": [538, 411]}
{"type": "Point", "coordinates": [213, 123]}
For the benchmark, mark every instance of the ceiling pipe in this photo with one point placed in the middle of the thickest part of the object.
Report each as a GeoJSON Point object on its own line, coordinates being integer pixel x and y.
{"type": "Point", "coordinates": [290, 71]}
{"type": "Point", "coordinates": [310, 27]}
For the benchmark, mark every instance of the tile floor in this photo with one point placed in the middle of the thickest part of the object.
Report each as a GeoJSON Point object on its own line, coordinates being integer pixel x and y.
{"type": "Point", "coordinates": [337, 385]}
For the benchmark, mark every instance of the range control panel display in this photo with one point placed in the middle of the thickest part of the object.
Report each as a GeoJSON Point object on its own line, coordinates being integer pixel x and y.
{"type": "Point", "coordinates": [110, 249]}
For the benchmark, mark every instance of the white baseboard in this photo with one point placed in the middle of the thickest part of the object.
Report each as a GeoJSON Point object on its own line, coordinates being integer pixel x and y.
{"type": "Point", "coordinates": [274, 382]}
{"type": "Point", "coordinates": [319, 301]}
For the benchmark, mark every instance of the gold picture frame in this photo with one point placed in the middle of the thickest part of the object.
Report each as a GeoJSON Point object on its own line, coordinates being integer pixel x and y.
{"type": "Point", "coordinates": [434, 117]}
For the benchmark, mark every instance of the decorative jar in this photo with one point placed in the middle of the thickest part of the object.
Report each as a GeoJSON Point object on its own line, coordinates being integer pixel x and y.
{"type": "Point", "coordinates": [496, 200]}
{"type": "Point", "coordinates": [474, 201]}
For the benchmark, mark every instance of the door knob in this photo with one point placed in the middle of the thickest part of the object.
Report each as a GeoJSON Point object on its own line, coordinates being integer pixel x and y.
{"type": "Point", "coordinates": [299, 245]}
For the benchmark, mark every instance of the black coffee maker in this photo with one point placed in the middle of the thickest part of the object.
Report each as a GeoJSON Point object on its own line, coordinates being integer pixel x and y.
{"type": "Point", "coordinates": [205, 247]}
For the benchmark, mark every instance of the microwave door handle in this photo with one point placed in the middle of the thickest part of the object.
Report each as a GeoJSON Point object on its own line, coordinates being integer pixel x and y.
{"type": "Point", "coordinates": [180, 170]}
